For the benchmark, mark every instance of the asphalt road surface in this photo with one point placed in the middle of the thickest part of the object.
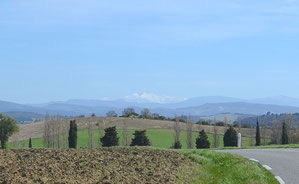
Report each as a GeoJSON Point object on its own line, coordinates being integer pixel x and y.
{"type": "Point", "coordinates": [281, 162]}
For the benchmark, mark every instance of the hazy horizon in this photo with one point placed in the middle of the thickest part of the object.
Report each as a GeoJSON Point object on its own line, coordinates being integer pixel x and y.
{"type": "Point", "coordinates": [164, 99]}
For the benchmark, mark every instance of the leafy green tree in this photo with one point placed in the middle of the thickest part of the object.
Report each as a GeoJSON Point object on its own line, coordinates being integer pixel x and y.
{"type": "Point", "coordinates": [30, 143]}
{"type": "Point", "coordinates": [110, 138]}
{"type": "Point", "coordinates": [284, 137]}
{"type": "Point", "coordinates": [129, 112]}
{"type": "Point", "coordinates": [8, 126]}
{"type": "Point", "coordinates": [258, 134]}
{"type": "Point", "coordinates": [146, 114]}
{"type": "Point", "coordinates": [202, 141]}
{"type": "Point", "coordinates": [140, 139]}
{"type": "Point", "coordinates": [111, 114]}
{"type": "Point", "coordinates": [73, 134]}
{"type": "Point", "coordinates": [230, 138]}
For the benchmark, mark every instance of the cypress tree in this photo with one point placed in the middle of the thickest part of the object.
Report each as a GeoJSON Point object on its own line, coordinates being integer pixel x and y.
{"type": "Point", "coordinates": [73, 134]}
{"type": "Point", "coordinates": [140, 139]}
{"type": "Point", "coordinates": [202, 141]}
{"type": "Point", "coordinates": [110, 138]}
{"type": "Point", "coordinates": [30, 143]}
{"type": "Point", "coordinates": [258, 134]}
{"type": "Point", "coordinates": [284, 138]}
{"type": "Point", "coordinates": [230, 138]}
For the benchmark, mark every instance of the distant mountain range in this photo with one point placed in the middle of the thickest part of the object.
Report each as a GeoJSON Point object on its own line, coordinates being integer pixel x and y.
{"type": "Point", "coordinates": [199, 106]}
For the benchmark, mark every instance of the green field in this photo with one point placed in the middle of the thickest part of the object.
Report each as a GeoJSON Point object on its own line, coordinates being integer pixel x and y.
{"type": "Point", "coordinates": [160, 138]}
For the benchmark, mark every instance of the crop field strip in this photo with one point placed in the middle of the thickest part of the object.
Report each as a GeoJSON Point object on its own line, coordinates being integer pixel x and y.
{"type": "Point", "coordinates": [160, 138]}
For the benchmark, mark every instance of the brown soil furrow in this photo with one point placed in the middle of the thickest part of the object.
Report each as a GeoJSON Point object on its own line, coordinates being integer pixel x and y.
{"type": "Point", "coordinates": [105, 165]}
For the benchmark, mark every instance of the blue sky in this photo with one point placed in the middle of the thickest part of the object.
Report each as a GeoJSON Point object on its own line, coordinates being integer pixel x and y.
{"type": "Point", "coordinates": [54, 50]}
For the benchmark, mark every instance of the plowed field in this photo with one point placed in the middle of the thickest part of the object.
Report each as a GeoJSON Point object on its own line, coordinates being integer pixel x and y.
{"type": "Point", "coordinates": [105, 165]}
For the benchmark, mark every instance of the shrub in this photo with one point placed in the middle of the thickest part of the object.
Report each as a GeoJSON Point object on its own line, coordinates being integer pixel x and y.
{"type": "Point", "coordinates": [202, 141]}
{"type": "Point", "coordinates": [230, 138]}
{"type": "Point", "coordinates": [140, 139]}
{"type": "Point", "coordinates": [177, 145]}
{"type": "Point", "coordinates": [110, 138]}
{"type": "Point", "coordinates": [73, 134]}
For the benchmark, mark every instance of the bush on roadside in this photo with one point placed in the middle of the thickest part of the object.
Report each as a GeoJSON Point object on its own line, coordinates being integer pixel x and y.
{"type": "Point", "coordinates": [177, 145]}
{"type": "Point", "coordinates": [230, 138]}
{"type": "Point", "coordinates": [202, 141]}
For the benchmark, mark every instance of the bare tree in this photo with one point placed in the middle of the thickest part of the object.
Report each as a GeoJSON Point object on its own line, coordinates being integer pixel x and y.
{"type": "Point", "coordinates": [276, 131]}
{"type": "Point", "coordinates": [47, 131]}
{"type": "Point", "coordinates": [189, 127]}
{"type": "Point", "coordinates": [225, 122]}
{"type": "Point", "coordinates": [101, 127]}
{"type": "Point", "coordinates": [24, 144]}
{"type": "Point", "coordinates": [52, 130]}
{"type": "Point", "coordinates": [90, 136]}
{"type": "Point", "coordinates": [239, 125]}
{"type": "Point", "coordinates": [295, 136]}
{"type": "Point", "coordinates": [265, 131]}
{"type": "Point", "coordinates": [126, 135]}
{"type": "Point", "coordinates": [64, 131]}
{"type": "Point", "coordinates": [177, 129]}
{"type": "Point", "coordinates": [252, 136]}
{"type": "Point", "coordinates": [14, 141]}
{"type": "Point", "coordinates": [215, 136]}
{"type": "Point", "coordinates": [58, 131]}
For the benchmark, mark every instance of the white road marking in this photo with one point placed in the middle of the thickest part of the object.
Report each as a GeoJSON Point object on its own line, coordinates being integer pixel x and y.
{"type": "Point", "coordinates": [267, 167]}
{"type": "Point", "coordinates": [279, 180]}
{"type": "Point", "coordinates": [252, 159]}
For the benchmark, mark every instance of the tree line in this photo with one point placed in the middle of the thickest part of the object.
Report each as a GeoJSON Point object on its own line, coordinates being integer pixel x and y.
{"type": "Point", "coordinates": [60, 133]}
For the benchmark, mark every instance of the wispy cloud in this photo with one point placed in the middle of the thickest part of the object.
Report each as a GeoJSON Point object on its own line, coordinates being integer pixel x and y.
{"type": "Point", "coordinates": [153, 98]}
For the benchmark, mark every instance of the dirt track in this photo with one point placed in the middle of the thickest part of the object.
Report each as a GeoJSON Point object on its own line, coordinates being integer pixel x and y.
{"type": "Point", "coordinates": [105, 165]}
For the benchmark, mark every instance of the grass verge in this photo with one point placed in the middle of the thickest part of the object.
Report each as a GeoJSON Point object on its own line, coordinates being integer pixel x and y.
{"type": "Point", "coordinates": [226, 168]}
{"type": "Point", "coordinates": [263, 147]}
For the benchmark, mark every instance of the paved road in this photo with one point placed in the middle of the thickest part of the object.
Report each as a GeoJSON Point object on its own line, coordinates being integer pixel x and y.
{"type": "Point", "coordinates": [284, 162]}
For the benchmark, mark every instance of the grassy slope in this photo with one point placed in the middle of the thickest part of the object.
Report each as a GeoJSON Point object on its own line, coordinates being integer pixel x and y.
{"type": "Point", "coordinates": [225, 168]}
{"type": "Point", "coordinates": [265, 147]}
{"type": "Point", "coordinates": [160, 138]}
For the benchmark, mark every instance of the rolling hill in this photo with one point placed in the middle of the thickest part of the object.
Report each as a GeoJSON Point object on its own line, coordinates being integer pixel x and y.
{"type": "Point", "coordinates": [197, 107]}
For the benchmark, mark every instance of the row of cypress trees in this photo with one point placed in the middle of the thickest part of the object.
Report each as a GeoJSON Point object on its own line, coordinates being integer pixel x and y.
{"type": "Point", "coordinates": [284, 137]}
